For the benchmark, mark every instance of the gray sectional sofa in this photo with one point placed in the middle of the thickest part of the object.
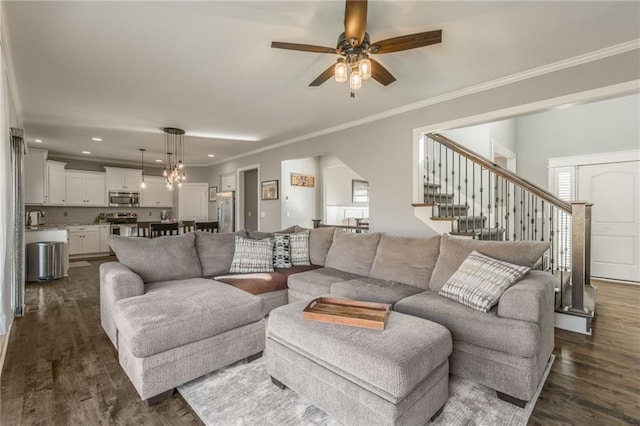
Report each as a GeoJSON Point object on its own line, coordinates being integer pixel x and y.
{"type": "Point", "coordinates": [170, 322]}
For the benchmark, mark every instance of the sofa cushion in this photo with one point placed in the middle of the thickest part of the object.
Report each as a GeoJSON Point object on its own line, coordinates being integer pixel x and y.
{"type": "Point", "coordinates": [159, 259]}
{"type": "Point", "coordinates": [287, 272]}
{"type": "Point", "coordinates": [281, 251]}
{"type": "Point", "coordinates": [467, 325]}
{"type": "Point", "coordinates": [318, 281]}
{"type": "Point", "coordinates": [258, 235]}
{"type": "Point", "coordinates": [453, 251]}
{"type": "Point", "coordinates": [252, 256]}
{"type": "Point", "coordinates": [480, 281]}
{"type": "Point", "coordinates": [174, 313]}
{"type": "Point", "coordinates": [373, 290]}
{"type": "Point", "coordinates": [256, 283]}
{"type": "Point", "coordinates": [351, 252]}
{"type": "Point", "coordinates": [320, 240]}
{"type": "Point", "coordinates": [406, 260]}
{"type": "Point", "coordinates": [293, 229]}
{"type": "Point", "coordinates": [215, 251]}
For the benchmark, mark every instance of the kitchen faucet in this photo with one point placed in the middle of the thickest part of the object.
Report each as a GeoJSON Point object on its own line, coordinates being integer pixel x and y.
{"type": "Point", "coordinates": [40, 214]}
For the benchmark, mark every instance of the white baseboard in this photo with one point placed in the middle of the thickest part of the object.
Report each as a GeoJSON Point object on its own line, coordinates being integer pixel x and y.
{"type": "Point", "coordinates": [4, 345]}
{"type": "Point", "coordinates": [573, 323]}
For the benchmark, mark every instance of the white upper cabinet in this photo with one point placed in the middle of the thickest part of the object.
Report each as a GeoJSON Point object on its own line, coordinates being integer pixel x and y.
{"type": "Point", "coordinates": [228, 182]}
{"type": "Point", "coordinates": [34, 176]}
{"type": "Point", "coordinates": [85, 189]}
{"type": "Point", "coordinates": [123, 180]}
{"type": "Point", "coordinates": [156, 193]}
{"type": "Point", "coordinates": [55, 184]}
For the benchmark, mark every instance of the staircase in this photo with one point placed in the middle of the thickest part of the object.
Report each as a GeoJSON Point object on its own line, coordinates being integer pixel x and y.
{"type": "Point", "coordinates": [470, 196]}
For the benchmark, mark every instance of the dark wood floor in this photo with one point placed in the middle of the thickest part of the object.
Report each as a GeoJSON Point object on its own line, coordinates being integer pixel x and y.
{"type": "Point", "coordinates": [61, 369]}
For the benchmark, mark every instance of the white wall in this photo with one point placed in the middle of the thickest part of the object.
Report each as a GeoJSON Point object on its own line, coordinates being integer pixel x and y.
{"type": "Point", "coordinates": [381, 151]}
{"type": "Point", "coordinates": [605, 126]}
{"type": "Point", "coordinates": [300, 204]}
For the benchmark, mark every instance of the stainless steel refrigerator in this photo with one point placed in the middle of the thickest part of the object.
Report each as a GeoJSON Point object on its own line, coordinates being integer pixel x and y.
{"type": "Point", "coordinates": [226, 211]}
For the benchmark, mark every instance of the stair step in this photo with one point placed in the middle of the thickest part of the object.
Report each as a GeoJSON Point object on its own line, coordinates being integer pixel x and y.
{"type": "Point", "coordinates": [492, 234]}
{"type": "Point", "coordinates": [434, 197]}
{"type": "Point", "coordinates": [470, 223]}
{"type": "Point", "coordinates": [431, 186]}
{"type": "Point", "coordinates": [451, 210]}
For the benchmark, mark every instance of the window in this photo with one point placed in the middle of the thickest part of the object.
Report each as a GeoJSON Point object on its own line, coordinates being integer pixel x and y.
{"type": "Point", "coordinates": [562, 185]}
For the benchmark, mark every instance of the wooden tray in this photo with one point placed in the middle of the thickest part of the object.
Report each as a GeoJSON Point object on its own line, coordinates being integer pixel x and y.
{"type": "Point", "coordinates": [347, 312]}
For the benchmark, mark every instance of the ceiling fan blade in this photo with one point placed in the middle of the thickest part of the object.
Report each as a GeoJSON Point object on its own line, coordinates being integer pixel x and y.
{"type": "Point", "coordinates": [355, 20]}
{"type": "Point", "coordinates": [380, 73]}
{"type": "Point", "coordinates": [326, 75]}
{"type": "Point", "coordinates": [406, 42]}
{"type": "Point", "coordinates": [302, 47]}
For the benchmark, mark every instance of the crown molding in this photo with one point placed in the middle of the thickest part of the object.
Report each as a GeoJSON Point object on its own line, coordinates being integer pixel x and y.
{"type": "Point", "coordinates": [596, 55]}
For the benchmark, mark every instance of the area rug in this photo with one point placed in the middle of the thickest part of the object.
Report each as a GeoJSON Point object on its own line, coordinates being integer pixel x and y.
{"type": "Point", "coordinates": [243, 395]}
{"type": "Point", "coordinates": [79, 264]}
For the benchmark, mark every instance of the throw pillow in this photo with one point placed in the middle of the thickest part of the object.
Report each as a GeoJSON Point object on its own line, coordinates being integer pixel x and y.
{"type": "Point", "coordinates": [299, 248]}
{"type": "Point", "coordinates": [281, 251]}
{"type": "Point", "coordinates": [480, 281]}
{"type": "Point", "coordinates": [252, 256]}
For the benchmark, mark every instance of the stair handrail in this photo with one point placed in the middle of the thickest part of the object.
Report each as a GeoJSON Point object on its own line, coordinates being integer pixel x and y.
{"type": "Point", "coordinates": [502, 172]}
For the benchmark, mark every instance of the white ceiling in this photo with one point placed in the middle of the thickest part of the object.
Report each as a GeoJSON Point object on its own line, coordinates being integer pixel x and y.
{"type": "Point", "coordinates": [123, 70]}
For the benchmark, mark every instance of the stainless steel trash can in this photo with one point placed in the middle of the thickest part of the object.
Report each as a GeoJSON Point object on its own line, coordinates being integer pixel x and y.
{"type": "Point", "coordinates": [45, 260]}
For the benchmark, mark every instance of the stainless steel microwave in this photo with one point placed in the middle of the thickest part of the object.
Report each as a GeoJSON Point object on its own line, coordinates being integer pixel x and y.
{"type": "Point", "coordinates": [124, 199]}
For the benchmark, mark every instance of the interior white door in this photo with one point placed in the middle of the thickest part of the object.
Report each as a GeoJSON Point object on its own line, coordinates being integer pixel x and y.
{"type": "Point", "coordinates": [614, 190]}
{"type": "Point", "coordinates": [192, 202]}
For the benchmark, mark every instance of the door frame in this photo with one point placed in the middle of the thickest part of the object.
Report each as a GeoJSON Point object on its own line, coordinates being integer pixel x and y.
{"type": "Point", "coordinates": [240, 195]}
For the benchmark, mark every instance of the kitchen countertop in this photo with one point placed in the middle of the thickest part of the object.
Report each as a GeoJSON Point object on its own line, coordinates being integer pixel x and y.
{"type": "Point", "coordinates": [60, 227]}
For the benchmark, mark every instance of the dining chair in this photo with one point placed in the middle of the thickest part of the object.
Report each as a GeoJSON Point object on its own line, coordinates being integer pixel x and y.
{"type": "Point", "coordinates": [162, 229]}
{"type": "Point", "coordinates": [207, 226]}
{"type": "Point", "coordinates": [188, 226]}
{"type": "Point", "coordinates": [144, 230]}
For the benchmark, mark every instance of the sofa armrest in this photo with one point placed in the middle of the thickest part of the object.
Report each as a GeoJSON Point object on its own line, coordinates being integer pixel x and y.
{"type": "Point", "coordinates": [530, 299]}
{"type": "Point", "coordinates": [119, 281]}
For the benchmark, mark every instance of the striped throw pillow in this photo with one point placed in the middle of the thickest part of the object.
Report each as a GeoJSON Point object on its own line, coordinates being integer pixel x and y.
{"type": "Point", "coordinates": [252, 256]}
{"type": "Point", "coordinates": [299, 248]}
{"type": "Point", "coordinates": [480, 281]}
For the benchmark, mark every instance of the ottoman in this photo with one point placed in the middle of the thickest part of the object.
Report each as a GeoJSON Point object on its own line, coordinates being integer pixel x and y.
{"type": "Point", "coordinates": [397, 376]}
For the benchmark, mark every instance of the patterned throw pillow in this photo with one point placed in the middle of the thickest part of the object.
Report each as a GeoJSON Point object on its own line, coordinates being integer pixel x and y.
{"type": "Point", "coordinates": [281, 251]}
{"type": "Point", "coordinates": [252, 256]}
{"type": "Point", "coordinates": [299, 248]}
{"type": "Point", "coordinates": [480, 281]}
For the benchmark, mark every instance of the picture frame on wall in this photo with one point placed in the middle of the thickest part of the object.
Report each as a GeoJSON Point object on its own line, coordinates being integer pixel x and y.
{"type": "Point", "coordinates": [299, 179]}
{"type": "Point", "coordinates": [213, 190]}
{"type": "Point", "coordinates": [359, 191]}
{"type": "Point", "coordinates": [270, 190]}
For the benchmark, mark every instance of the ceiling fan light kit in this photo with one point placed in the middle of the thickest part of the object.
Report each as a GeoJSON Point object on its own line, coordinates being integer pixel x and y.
{"type": "Point", "coordinates": [354, 48]}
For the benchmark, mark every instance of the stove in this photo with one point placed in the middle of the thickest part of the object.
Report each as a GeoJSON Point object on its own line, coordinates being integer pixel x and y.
{"type": "Point", "coordinates": [121, 218]}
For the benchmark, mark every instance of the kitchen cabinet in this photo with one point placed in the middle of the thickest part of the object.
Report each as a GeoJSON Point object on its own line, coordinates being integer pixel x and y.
{"type": "Point", "coordinates": [104, 235]}
{"type": "Point", "coordinates": [156, 193]}
{"type": "Point", "coordinates": [123, 180]}
{"type": "Point", "coordinates": [84, 239]}
{"type": "Point", "coordinates": [34, 176]}
{"type": "Point", "coordinates": [228, 182]}
{"type": "Point", "coordinates": [85, 189]}
{"type": "Point", "coordinates": [55, 184]}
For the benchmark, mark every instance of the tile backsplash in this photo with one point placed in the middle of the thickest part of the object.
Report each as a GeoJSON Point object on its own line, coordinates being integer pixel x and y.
{"type": "Point", "coordinates": [88, 215]}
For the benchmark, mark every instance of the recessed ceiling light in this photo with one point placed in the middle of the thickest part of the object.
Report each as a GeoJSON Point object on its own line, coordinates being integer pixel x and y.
{"type": "Point", "coordinates": [86, 152]}
{"type": "Point", "coordinates": [38, 140]}
{"type": "Point", "coordinates": [96, 139]}
{"type": "Point", "coordinates": [158, 161]}
{"type": "Point", "coordinates": [211, 155]}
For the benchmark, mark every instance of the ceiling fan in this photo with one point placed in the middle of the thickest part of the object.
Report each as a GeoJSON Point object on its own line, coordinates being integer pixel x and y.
{"type": "Point", "coordinates": [354, 48]}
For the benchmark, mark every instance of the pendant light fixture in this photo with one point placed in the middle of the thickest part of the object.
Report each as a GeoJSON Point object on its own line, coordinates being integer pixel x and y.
{"type": "Point", "coordinates": [174, 156]}
{"type": "Point", "coordinates": [142, 150]}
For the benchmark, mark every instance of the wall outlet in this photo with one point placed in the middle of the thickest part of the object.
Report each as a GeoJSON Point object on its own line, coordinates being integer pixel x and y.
{"type": "Point", "coordinates": [150, 213]}
{"type": "Point", "coordinates": [288, 214]}
{"type": "Point", "coordinates": [248, 214]}
{"type": "Point", "coordinates": [65, 214]}
{"type": "Point", "coordinates": [263, 214]}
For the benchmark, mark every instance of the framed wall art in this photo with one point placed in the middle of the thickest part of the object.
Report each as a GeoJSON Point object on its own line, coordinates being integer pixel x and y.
{"type": "Point", "coordinates": [270, 190]}
{"type": "Point", "coordinates": [298, 179]}
{"type": "Point", "coordinates": [359, 191]}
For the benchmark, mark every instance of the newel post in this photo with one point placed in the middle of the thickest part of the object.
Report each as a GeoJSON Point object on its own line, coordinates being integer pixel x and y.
{"type": "Point", "coordinates": [581, 253]}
